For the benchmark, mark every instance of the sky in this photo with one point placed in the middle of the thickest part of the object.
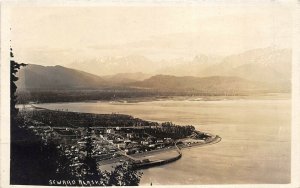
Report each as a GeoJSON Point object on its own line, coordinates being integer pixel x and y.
{"type": "Point", "coordinates": [61, 35]}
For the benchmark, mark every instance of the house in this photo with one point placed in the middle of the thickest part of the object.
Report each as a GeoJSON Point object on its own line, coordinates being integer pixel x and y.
{"type": "Point", "coordinates": [110, 131]}
{"type": "Point", "coordinates": [121, 145]}
{"type": "Point", "coordinates": [81, 142]}
{"type": "Point", "coordinates": [120, 139]}
{"type": "Point", "coordinates": [144, 142]}
{"type": "Point", "coordinates": [129, 135]}
{"type": "Point", "coordinates": [127, 141]}
{"type": "Point", "coordinates": [168, 140]}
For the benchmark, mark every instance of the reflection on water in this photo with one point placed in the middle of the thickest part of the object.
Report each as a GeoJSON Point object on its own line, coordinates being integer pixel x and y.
{"type": "Point", "coordinates": [255, 147]}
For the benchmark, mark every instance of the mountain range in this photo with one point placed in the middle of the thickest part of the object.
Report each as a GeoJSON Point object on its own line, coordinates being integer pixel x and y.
{"type": "Point", "coordinates": [37, 77]}
{"type": "Point", "coordinates": [259, 69]}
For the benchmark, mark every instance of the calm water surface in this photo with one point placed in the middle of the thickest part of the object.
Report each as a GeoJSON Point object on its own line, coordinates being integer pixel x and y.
{"type": "Point", "coordinates": [255, 147]}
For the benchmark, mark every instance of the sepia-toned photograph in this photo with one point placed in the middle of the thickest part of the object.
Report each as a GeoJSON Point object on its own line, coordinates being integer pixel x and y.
{"type": "Point", "coordinates": [148, 94]}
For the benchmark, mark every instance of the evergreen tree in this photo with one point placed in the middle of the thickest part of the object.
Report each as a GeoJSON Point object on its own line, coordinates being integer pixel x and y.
{"type": "Point", "coordinates": [14, 68]}
{"type": "Point", "coordinates": [90, 171]}
{"type": "Point", "coordinates": [124, 175]}
{"type": "Point", "coordinates": [35, 164]}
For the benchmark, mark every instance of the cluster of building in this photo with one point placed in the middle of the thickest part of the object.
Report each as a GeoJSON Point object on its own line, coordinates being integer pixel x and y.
{"type": "Point", "coordinates": [107, 139]}
{"type": "Point", "coordinates": [107, 142]}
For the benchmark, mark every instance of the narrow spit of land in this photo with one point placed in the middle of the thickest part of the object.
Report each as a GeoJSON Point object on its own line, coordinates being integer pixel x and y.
{"type": "Point", "coordinates": [115, 138]}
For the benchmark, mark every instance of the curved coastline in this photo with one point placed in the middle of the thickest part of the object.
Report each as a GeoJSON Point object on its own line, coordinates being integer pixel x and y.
{"type": "Point", "coordinates": [143, 165]}
{"type": "Point", "coordinates": [146, 163]}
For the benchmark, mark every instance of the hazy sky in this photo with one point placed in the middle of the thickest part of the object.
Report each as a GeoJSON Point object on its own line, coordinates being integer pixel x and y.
{"type": "Point", "coordinates": [61, 35]}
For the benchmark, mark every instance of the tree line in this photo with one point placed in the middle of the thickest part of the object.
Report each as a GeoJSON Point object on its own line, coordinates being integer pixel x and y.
{"type": "Point", "coordinates": [170, 130]}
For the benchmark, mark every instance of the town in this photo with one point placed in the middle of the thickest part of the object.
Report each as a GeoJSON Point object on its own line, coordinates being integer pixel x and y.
{"type": "Point", "coordinates": [112, 138]}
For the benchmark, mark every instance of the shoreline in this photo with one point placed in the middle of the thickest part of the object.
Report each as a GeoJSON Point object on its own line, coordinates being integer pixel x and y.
{"type": "Point", "coordinates": [141, 160]}
{"type": "Point", "coordinates": [261, 96]}
{"type": "Point", "coordinates": [216, 139]}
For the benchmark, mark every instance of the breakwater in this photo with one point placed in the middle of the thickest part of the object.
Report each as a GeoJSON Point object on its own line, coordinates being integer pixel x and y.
{"type": "Point", "coordinates": [144, 164]}
{"type": "Point", "coordinates": [148, 164]}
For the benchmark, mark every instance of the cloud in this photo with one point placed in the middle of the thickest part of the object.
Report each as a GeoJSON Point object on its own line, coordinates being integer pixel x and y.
{"type": "Point", "coordinates": [64, 34]}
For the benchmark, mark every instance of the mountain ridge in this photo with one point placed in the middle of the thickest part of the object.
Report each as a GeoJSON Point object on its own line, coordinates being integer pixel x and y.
{"type": "Point", "coordinates": [56, 77]}
{"type": "Point", "coordinates": [258, 69]}
{"type": "Point", "coordinates": [203, 84]}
